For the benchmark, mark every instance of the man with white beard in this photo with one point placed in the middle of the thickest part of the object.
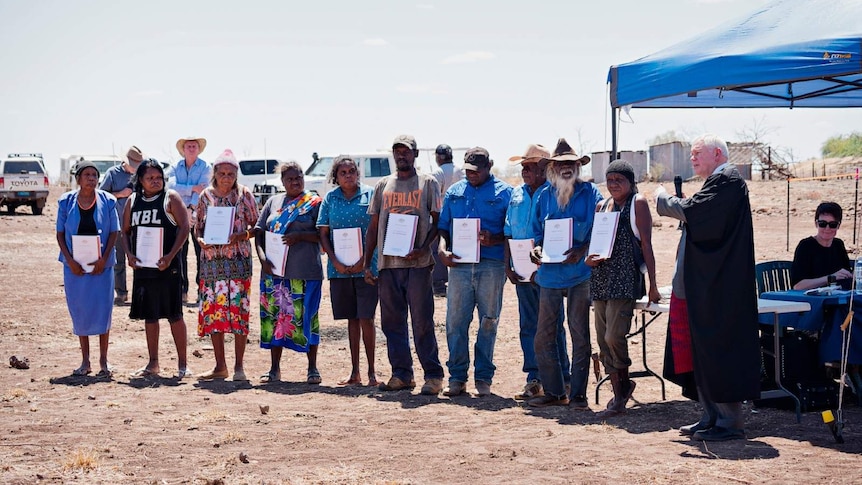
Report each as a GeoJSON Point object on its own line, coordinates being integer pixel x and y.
{"type": "Point", "coordinates": [567, 197]}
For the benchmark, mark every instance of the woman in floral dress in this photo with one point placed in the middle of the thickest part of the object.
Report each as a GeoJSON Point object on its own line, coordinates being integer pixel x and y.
{"type": "Point", "coordinates": [289, 304]}
{"type": "Point", "coordinates": [225, 269]}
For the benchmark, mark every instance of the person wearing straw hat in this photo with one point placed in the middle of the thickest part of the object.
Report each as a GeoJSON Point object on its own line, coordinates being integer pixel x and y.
{"type": "Point", "coordinates": [567, 198]}
{"type": "Point", "coordinates": [118, 181]}
{"type": "Point", "coordinates": [713, 308]}
{"type": "Point", "coordinates": [517, 226]}
{"type": "Point", "coordinates": [189, 178]}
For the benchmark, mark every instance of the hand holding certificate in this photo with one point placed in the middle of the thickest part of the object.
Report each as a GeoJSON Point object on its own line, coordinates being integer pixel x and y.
{"type": "Point", "coordinates": [219, 225]}
{"type": "Point", "coordinates": [148, 246]}
{"type": "Point", "coordinates": [557, 240]}
{"type": "Point", "coordinates": [400, 234]}
{"type": "Point", "coordinates": [604, 233]}
{"type": "Point", "coordinates": [520, 250]}
{"type": "Point", "coordinates": [276, 252]}
{"type": "Point", "coordinates": [465, 240]}
{"type": "Point", "coordinates": [86, 250]}
{"type": "Point", "coordinates": [347, 244]}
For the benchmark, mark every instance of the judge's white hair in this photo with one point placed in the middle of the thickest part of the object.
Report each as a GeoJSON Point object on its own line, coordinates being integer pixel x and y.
{"type": "Point", "coordinates": [713, 141]}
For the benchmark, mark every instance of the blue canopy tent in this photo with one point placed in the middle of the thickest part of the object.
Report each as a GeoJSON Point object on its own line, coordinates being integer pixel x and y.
{"type": "Point", "coordinates": [788, 53]}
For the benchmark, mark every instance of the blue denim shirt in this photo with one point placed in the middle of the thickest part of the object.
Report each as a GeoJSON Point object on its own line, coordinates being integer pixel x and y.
{"type": "Point", "coordinates": [581, 208]}
{"type": "Point", "coordinates": [520, 213]}
{"type": "Point", "coordinates": [336, 212]}
{"type": "Point", "coordinates": [488, 202]}
{"type": "Point", "coordinates": [105, 215]}
{"type": "Point", "coordinates": [183, 179]}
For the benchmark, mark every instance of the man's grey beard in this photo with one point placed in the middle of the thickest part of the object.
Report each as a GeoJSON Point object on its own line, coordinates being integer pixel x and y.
{"type": "Point", "coordinates": [565, 187]}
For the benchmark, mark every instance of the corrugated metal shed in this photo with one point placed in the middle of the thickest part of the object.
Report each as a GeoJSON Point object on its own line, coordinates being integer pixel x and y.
{"type": "Point", "coordinates": [600, 161]}
{"type": "Point", "coordinates": [670, 159]}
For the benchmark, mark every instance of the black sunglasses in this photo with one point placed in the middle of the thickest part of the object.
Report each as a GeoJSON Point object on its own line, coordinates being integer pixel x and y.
{"type": "Point", "coordinates": [831, 224]}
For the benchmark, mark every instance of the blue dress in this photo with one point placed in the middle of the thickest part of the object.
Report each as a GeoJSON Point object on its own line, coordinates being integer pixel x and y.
{"type": "Point", "coordinates": [90, 298]}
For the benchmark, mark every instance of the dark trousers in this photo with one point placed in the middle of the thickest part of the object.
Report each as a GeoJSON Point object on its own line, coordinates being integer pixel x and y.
{"type": "Point", "coordinates": [184, 257]}
{"type": "Point", "coordinates": [400, 290]}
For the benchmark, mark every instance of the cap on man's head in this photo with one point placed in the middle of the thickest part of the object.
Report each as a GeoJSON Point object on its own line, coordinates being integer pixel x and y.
{"type": "Point", "coordinates": [444, 149]}
{"type": "Point", "coordinates": [476, 158]}
{"type": "Point", "coordinates": [406, 140]}
{"type": "Point", "coordinates": [134, 155]}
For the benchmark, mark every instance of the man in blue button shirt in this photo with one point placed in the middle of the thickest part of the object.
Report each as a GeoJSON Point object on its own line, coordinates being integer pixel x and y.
{"type": "Point", "coordinates": [474, 285]}
{"type": "Point", "coordinates": [189, 178]}
{"type": "Point", "coordinates": [567, 197]}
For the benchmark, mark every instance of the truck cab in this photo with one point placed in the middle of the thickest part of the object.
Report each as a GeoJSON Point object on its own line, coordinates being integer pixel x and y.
{"type": "Point", "coordinates": [23, 181]}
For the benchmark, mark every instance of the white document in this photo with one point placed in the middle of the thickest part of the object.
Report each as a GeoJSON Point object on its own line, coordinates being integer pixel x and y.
{"type": "Point", "coordinates": [400, 234]}
{"type": "Point", "coordinates": [604, 233]}
{"type": "Point", "coordinates": [219, 225]}
{"type": "Point", "coordinates": [347, 244]}
{"type": "Point", "coordinates": [86, 250]}
{"type": "Point", "coordinates": [148, 247]}
{"type": "Point", "coordinates": [520, 250]}
{"type": "Point", "coordinates": [557, 240]}
{"type": "Point", "coordinates": [276, 252]}
{"type": "Point", "coordinates": [465, 240]}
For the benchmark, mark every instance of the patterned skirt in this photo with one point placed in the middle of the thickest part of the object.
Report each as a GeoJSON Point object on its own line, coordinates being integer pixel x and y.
{"type": "Point", "coordinates": [223, 292]}
{"type": "Point", "coordinates": [288, 313]}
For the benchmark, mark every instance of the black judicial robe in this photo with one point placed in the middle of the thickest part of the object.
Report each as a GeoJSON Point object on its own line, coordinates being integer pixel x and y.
{"type": "Point", "coordinates": [720, 289]}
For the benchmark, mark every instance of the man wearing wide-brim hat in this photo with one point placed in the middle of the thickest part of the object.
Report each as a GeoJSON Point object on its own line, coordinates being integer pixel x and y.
{"type": "Point", "coordinates": [564, 212]}
{"type": "Point", "coordinates": [118, 181]}
{"type": "Point", "coordinates": [189, 178]}
{"type": "Point", "coordinates": [519, 231]}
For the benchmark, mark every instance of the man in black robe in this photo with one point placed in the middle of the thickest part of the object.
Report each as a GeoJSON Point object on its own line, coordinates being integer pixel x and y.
{"type": "Point", "coordinates": [715, 271]}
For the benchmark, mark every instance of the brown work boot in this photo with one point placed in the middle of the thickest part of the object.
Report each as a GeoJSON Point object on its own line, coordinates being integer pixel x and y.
{"type": "Point", "coordinates": [623, 389]}
{"type": "Point", "coordinates": [531, 389]}
{"type": "Point", "coordinates": [396, 384]}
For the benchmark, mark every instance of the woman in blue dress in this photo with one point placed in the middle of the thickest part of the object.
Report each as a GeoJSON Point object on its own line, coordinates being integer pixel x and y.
{"type": "Point", "coordinates": [89, 288]}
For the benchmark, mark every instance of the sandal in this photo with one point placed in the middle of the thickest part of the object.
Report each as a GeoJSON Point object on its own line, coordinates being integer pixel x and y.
{"type": "Point", "coordinates": [313, 377]}
{"type": "Point", "coordinates": [142, 373]}
{"type": "Point", "coordinates": [105, 373]}
{"type": "Point", "coordinates": [80, 371]}
{"type": "Point", "coordinates": [213, 375]}
{"type": "Point", "coordinates": [270, 377]}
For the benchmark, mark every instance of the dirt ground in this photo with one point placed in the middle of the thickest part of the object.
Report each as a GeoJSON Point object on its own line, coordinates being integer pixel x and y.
{"type": "Point", "coordinates": [55, 428]}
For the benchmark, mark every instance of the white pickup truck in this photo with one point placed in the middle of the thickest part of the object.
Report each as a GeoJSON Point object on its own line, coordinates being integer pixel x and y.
{"type": "Point", "coordinates": [23, 181]}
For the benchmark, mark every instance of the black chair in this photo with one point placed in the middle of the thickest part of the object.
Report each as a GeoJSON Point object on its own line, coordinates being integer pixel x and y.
{"type": "Point", "coordinates": [773, 276]}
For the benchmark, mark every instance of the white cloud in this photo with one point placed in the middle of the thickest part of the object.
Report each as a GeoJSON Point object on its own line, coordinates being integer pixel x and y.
{"type": "Point", "coordinates": [471, 56]}
{"type": "Point", "coordinates": [422, 89]}
{"type": "Point", "coordinates": [375, 42]}
{"type": "Point", "coordinates": [148, 93]}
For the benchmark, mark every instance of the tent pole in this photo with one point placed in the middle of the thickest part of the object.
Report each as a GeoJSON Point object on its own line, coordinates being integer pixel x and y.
{"type": "Point", "coordinates": [613, 133]}
{"type": "Point", "coordinates": [788, 215]}
{"type": "Point", "coordinates": [856, 206]}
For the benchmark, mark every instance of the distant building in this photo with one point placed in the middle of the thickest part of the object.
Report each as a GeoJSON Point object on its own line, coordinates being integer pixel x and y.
{"type": "Point", "coordinates": [670, 159]}
{"type": "Point", "coordinates": [600, 161]}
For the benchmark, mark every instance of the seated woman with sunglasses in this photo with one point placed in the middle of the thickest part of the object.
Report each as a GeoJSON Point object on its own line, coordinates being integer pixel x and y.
{"type": "Point", "coordinates": [821, 256]}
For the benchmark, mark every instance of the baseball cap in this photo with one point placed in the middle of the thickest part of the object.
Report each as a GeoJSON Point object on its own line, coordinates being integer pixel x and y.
{"type": "Point", "coordinates": [476, 158]}
{"type": "Point", "coordinates": [406, 140]}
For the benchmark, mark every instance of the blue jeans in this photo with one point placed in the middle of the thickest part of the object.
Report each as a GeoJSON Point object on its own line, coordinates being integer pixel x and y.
{"type": "Point", "coordinates": [547, 353]}
{"type": "Point", "coordinates": [400, 288]}
{"type": "Point", "coordinates": [478, 286]}
{"type": "Point", "coordinates": [528, 309]}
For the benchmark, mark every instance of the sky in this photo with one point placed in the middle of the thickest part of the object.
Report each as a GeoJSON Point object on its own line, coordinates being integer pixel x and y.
{"type": "Point", "coordinates": [289, 78]}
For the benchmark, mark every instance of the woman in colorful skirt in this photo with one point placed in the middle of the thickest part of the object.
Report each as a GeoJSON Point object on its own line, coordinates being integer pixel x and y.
{"type": "Point", "coordinates": [89, 288]}
{"type": "Point", "coordinates": [290, 289]}
{"type": "Point", "coordinates": [225, 269]}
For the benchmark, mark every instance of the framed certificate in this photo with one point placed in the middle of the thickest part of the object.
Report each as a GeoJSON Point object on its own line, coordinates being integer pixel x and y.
{"type": "Point", "coordinates": [557, 240]}
{"type": "Point", "coordinates": [520, 250]}
{"type": "Point", "coordinates": [219, 224]}
{"type": "Point", "coordinates": [276, 252]}
{"type": "Point", "coordinates": [604, 233]}
{"type": "Point", "coordinates": [465, 240]}
{"type": "Point", "coordinates": [400, 234]}
{"type": "Point", "coordinates": [347, 244]}
{"type": "Point", "coordinates": [86, 250]}
{"type": "Point", "coordinates": [148, 246]}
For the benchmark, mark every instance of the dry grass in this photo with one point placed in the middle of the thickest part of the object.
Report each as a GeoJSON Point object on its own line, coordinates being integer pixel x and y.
{"type": "Point", "coordinates": [232, 437]}
{"type": "Point", "coordinates": [84, 460]}
{"type": "Point", "coordinates": [15, 394]}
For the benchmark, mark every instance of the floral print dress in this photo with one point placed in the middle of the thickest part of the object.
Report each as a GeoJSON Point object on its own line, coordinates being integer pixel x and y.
{"type": "Point", "coordinates": [225, 281]}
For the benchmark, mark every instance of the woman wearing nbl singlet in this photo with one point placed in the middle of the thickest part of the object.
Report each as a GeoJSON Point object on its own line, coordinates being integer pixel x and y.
{"type": "Point", "coordinates": [155, 226]}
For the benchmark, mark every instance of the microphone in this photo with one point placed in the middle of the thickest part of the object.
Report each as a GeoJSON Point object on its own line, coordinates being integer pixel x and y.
{"type": "Point", "coordinates": [677, 185]}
